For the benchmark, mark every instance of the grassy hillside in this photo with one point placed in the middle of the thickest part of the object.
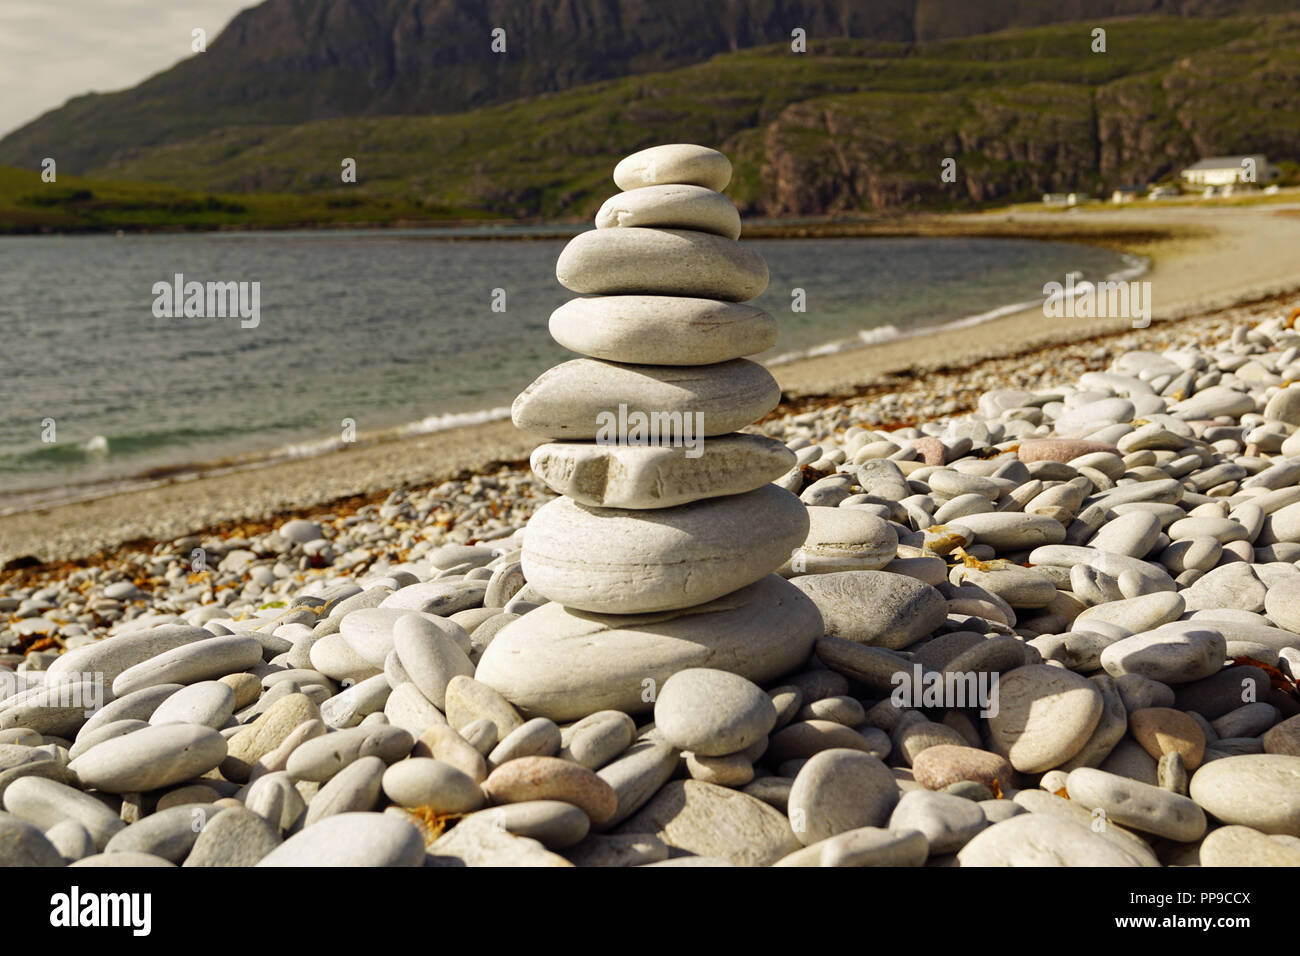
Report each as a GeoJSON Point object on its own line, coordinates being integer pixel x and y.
{"type": "Point", "coordinates": [283, 62]}
{"type": "Point", "coordinates": [80, 204]}
{"type": "Point", "coordinates": [851, 126]}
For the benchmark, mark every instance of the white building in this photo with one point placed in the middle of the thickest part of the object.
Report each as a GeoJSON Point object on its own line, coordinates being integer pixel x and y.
{"type": "Point", "coordinates": [1230, 170]}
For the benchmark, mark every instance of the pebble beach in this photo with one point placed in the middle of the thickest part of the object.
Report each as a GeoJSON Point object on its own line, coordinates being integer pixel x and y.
{"type": "Point", "coordinates": [1029, 609]}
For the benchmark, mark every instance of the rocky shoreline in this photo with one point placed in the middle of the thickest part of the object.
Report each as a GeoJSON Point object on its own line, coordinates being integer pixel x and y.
{"type": "Point", "coordinates": [1059, 608]}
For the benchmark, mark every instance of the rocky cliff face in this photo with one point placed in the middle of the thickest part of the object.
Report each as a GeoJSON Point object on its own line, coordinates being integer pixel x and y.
{"type": "Point", "coordinates": [872, 150]}
{"type": "Point", "coordinates": [836, 156]}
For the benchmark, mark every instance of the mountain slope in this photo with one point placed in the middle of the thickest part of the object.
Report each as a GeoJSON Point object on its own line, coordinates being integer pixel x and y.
{"type": "Point", "coordinates": [860, 126]}
{"type": "Point", "coordinates": [294, 61]}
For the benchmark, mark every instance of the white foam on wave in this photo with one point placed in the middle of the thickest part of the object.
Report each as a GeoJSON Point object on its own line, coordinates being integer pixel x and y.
{"type": "Point", "coordinates": [45, 497]}
{"type": "Point", "coordinates": [1135, 266]}
{"type": "Point", "coordinates": [442, 423]}
{"type": "Point", "coordinates": [424, 426]}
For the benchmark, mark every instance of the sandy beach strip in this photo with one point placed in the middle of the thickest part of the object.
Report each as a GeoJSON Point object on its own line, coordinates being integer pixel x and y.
{"type": "Point", "coordinates": [1204, 260]}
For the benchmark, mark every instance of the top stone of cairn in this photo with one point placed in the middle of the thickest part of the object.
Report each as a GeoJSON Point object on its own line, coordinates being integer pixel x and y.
{"type": "Point", "coordinates": [677, 163]}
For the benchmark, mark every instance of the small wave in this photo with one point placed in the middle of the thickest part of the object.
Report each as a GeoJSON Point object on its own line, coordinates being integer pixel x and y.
{"type": "Point", "coordinates": [1135, 266]}
{"type": "Point", "coordinates": [433, 423]}
{"type": "Point", "coordinates": [44, 497]}
{"type": "Point", "coordinates": [864, 338]}
{"type": "Point", "coordinates": [891, 333]}
{"type": "Point", "coordinates": [442, 423]}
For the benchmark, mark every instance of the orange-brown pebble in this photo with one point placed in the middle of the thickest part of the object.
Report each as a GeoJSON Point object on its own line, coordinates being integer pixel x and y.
{"type": "Point", "coordinates": [1162, 730]}
{"type": "Point", "coordinates": [550, 778]}
{"type": "Point", "coordinates": [937, 767]}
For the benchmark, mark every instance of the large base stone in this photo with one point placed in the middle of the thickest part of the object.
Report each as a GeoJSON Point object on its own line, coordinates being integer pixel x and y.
{"type": "Point", "coordinates": [563, 664]}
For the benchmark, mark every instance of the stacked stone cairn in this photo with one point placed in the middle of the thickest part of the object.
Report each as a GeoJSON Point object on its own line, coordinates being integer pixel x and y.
{"type": "Point", "coordinates": [659, 555]}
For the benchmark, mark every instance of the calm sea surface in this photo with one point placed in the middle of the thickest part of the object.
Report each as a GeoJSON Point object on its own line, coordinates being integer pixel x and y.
{"type": "Point", "coordinates": [383, 328]}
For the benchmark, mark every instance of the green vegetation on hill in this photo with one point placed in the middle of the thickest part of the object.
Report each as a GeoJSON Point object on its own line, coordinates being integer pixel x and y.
{"type": "Point", "coordinates": [851, 126]}
{"type": "Point", "coordinates": [285, 62]}
{"type": "Point", "coordinates": [79, 204]}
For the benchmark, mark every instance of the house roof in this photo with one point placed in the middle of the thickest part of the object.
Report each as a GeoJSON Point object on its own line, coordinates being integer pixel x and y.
{"type": "Point", "coordinates": [1227, 162]}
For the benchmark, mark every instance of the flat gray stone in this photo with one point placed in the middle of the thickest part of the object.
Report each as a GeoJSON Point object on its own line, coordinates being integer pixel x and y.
{"type": "Point", "coordinates": [191, 663]}
{"type": "Point", "coordinates": [1045, 716]}
{"type": "Point", "coordinates": [208, 703]}
{"type": "Point", "coordinates": [645, 404]}
{"type": "Point", "coordinates": [1261, 791]}
{"type": "Point", "coordinates": [712, 712]}
{"type": "Point", "coordinates": [351, 839]}
{"type": "Point", "coordinates": [865, 846]}
{"type": "Point", "coordinates": [638, 774]}
{"type": "Point", "coordinates": [1176, 653]}
{"type": "Point", "coordinates": [555, 824]}
{"type": "Point", "coordinates": [538, 737]}
{"type": "Point", "coordinates": [1137, 805]}
{"type": "Point", "coordinates": [878, 608]}
{"type": "Point", "coordinates": [422, 782]}
{"type": "Point", "coordinates": [150, 758]}
{"type": "Point", "coordinates": [1242, 846]}
{"type": "Point", "coordinates": [637, 261]}
{"type": "Point", "coordinates": [674, 163]}
{"type": "Point", "coordinates": [1011, 530]}
{"type": "Point", "coordinates": [111, 656]}
{"type": "Point", "coordinates": [1039, 839]}
{"type": "Point", "coordinates": [627, 849]}
{"type": "Point", "coordinates": [43, 803]}
{"type": "Point", "coordinates": [658, 476]}
{"type": "Point", "coordinates": [671, 206]}
{"type": "Point", "coordinates": [169, 834]}
{"type": "Point", "coordinates": [948, 822]}
{"type": "Point", "coordinates": [440, 598]}
{"type": "Point", "coordinates": [615, 561]}
{"type": "Point", "coordinates": [564, 664]}
{"type": "Point", "coordinates": [843, 539]}
{"type": "Point", "coordinates": [1135, 615]}
{"type": "Point", "coordinates": [234, 837]}
{"type": "Point", "coordinates": [22, 844]}
{"type": "Point", "coordinates": [321, 758]}
{"type": "Point", "coordinates": [662, 330]}
{"type": "Point", "coordinates": [482, 839]}
{"type": "Point", "coordinates": [838, 790]}
{"type": "Point", "coordinates": [600, 737]}
{"type": "Point", "coordinates": [712, 821]}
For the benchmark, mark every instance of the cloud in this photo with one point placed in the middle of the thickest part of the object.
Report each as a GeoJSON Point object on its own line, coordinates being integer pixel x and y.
{"type": "Point", "coordinates": [53, 50]}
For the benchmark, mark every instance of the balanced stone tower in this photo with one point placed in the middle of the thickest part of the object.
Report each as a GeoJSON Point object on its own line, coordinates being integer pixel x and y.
{"type": "Point", "coordinates": [659, 554]}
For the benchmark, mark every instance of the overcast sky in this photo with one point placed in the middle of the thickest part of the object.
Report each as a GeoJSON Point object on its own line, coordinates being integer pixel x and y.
{"type": "Point", "coordinates": [52, 50]}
